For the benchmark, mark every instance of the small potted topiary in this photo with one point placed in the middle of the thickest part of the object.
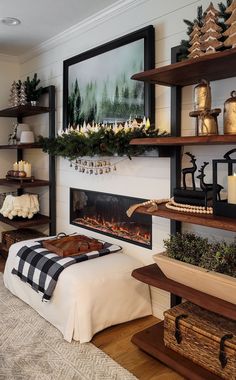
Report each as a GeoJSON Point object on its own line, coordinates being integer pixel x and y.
{"type": "Point", "coordinates": [196, 262]}
{"type": "Point", "coordinates": [33, 92]}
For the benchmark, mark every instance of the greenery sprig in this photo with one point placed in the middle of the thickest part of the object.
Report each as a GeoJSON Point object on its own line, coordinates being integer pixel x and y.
{"type": "Point", "coordinates": [104, 142]}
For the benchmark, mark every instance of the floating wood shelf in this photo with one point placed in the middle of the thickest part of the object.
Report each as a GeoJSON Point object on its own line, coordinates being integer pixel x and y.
{"type": "Point", "coordinates": [186, 140]}
{"type": "Point", "coordinates": [21, 146]}
{"type": "Point", "coordinates": [152, 275]}
{"type": "Point", "coordinates": [18, 222]}
{"type": "Point", "coordinates": [151, 341]}
{"type": "Point", "coordinates": [23, 184]}
{"type": "Point", "coordinates": [23, 111]}
{"type": "Point", "coordinates": [215, 66]}
{"type": "Point", "coordinates": [228, 224]}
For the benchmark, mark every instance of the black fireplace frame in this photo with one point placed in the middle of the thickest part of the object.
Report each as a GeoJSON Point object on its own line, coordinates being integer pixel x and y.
{"type": "Point", "coordinates": [134, 200]}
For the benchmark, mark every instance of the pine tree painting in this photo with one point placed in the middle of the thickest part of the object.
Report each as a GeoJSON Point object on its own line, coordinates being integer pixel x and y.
{"type": "Point", "coordinates": [100, 89]}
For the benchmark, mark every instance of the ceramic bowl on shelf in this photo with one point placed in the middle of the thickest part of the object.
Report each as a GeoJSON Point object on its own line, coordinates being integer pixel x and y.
{"type": "Point", "coordinates": [27, 137]}
{"type": "Point", "coordinates": [20, 128]}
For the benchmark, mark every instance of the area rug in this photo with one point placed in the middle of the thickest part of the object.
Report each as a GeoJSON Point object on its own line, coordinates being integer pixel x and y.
{"type": "Point", "coordinates": [31, 348]}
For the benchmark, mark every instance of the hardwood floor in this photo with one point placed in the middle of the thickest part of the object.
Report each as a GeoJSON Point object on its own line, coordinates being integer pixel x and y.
{"type": "Point", "coordinates": [116, 342]}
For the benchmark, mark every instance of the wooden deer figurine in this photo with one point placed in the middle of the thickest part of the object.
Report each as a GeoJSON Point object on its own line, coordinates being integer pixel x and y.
{"type": "Point", "coordinates": [191, 170]}
{"type": "Point", "coordinates": [206, 187]}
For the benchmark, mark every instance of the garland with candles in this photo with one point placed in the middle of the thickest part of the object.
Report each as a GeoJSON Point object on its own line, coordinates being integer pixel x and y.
{"type": "Point", "coordinates": [100, 140]}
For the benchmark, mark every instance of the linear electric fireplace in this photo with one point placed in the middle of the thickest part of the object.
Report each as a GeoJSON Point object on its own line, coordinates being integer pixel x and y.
{"type": "Point", "coordinates": [106, 213]}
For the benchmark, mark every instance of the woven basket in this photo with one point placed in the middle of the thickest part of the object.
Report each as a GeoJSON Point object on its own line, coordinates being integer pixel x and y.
{"type": "Point", "coordinates": [197, 334]}
{"type": "Point", "coordinates": [13, 236]}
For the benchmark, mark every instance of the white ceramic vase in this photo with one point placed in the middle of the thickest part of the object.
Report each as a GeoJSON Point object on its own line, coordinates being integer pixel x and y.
{"type": "Point", "coordinates": [216, 284]}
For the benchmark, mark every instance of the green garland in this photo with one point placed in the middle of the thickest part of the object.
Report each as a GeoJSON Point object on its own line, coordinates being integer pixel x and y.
{"type": "Point", "coordinates": [104, 142]}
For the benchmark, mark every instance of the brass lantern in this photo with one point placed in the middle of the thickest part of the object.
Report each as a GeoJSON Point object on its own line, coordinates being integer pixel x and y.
{"type": "Point", "coordinates": [202, 96]}
{"type": "Point", "coordinates": [230, 115]}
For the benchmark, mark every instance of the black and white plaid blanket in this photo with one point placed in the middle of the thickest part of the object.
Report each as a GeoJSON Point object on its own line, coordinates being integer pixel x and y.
{"type": "Point", "coordinates": [40, 268]}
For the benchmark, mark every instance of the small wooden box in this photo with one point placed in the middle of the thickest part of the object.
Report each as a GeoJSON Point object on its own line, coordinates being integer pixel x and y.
{"type": "Point", "coordinates": [13, 236]}
{"type": "Point", "coordinates": [206, 338]}
{"type": "Point", "coordinates": [72, 245]}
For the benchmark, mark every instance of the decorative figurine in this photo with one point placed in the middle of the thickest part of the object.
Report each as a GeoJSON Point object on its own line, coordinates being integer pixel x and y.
{"type": "Point", "coordinates": [230, 22]}
{"type": "Point", "coordinates": [12, 136]}
{"type": "Point", "coordinates": [207, 187]}
{"type": "Point", "coordinates": [191, 170]}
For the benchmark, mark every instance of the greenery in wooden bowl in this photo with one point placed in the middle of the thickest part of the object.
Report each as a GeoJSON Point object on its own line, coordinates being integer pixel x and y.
{"type": "Point", "coordinates": [196, 250]}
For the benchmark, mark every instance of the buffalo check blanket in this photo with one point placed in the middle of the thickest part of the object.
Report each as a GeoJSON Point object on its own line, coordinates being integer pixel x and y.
{"type": "Point", "coordinates": [40, 268]}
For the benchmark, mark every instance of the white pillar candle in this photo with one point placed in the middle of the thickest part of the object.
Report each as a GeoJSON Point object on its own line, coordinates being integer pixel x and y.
{"type": "Point", "coordinates": [27, 169]}
{"type": "Point", "coordinates": [21, 165]}
{"type": "Point", "coordinates": [232, 188]}
{"type": "Point", "coordinates": [15, 166]}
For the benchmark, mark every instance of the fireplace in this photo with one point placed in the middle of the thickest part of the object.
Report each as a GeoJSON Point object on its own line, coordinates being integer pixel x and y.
{"type": "Point", "coordinates": [106, 213]}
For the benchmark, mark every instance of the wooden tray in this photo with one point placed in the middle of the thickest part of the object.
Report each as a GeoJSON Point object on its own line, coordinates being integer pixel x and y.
{"type": "Point", "coordinates": [72, 245]}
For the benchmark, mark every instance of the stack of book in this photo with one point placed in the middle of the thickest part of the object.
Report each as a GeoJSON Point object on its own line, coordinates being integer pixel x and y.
{"type": "Point", "coordinates": [192, 197]}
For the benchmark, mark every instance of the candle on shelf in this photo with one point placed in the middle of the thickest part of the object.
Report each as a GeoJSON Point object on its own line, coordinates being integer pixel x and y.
{"type": "Point", "coordinates": [21, 165]}
{"type": "Point", "coordinates": [15, 166]}
{"type": "Point", "coordinates": [27, 169]}
{"type": "Point", "coordinates": [232, 188]}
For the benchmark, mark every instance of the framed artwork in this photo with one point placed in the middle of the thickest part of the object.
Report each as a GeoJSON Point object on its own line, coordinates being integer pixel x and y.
{"type": "Point", "coordinates": [97, 85]}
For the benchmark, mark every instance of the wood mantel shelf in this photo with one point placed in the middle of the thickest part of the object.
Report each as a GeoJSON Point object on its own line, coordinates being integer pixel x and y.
{"type": "Point", "coordinates": [152, 275]}
{"type": "Point", "coordinates": [215, 66]}
{"type": "Point", "coordinates": [228, 224]}
{"type": "Point", "coordinates": [185, 140]}
{"type": "Point", "coordinates": [151, 341]}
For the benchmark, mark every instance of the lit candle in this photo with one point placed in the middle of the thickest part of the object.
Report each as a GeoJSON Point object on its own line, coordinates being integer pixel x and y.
{"type": "Point", "coordinates": [27, 169]}
{"type": "Point", "coordinates": [15, 166]}
{"type": "Point", "coordinates": [232, 188]}
{"type": "Point", "coordinates": [21, 165]}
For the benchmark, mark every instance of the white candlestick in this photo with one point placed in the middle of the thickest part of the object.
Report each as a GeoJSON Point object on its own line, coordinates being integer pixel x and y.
{"type": "Point", "coordinates": [15, 166]}
{"type": "Point", "coordinates": [27, 169]}
{"type": "Point", "coordinates": [21, 165]}
{"type": "Point", "coordinates": [232, 188]}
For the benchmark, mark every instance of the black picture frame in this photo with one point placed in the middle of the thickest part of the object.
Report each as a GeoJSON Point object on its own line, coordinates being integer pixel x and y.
{"type": "Point", "coordinates": [143, 39]}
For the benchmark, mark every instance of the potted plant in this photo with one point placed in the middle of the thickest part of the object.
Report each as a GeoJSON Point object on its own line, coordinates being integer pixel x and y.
{"type": "Point", "coordinates": [195, 262]}
{"type": "Point", "coordinates": [33, 92]}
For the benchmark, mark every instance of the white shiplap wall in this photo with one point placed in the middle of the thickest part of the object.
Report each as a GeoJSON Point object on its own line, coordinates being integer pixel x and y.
{"type": "Point", "coordinates": [141, 177]}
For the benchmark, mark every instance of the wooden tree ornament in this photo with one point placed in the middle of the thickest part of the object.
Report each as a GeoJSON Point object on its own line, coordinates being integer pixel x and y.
{"type": "Point", "coordinates": [195, 42]}
{"type": "Point", "coordinates": [231, 22]}
{"type": "Point", "coordinates": [211, 31]}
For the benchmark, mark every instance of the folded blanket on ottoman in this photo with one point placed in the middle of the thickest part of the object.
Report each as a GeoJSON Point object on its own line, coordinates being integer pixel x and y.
{"type": "Point", "coordinates": [40, 268]}
{"type": "Point", "coordinates": [89, 296]}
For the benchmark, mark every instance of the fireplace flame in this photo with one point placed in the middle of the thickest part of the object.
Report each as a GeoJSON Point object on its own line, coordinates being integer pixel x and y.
{"type": "Point", "coordinates": [124, 230]}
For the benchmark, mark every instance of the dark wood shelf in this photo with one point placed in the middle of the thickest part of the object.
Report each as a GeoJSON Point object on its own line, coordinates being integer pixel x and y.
{"type": "Point", "coordinates": [21, 146]}
{"type": "Point", "coordinates": [3, 251]}
{"type": "Point", "coordinates": [23, 184]}
{"type": "Point", "coordinates": [23, 111]}
{"type": "Point", "coordinates": [152, 275]}
{"type": "Point", "coordinates": [186, 140]}
{"type": "Point", "coordinates": [18, 222]}
{"type": "Point", "coordinates": [151, 341]}
{"type": "Point", "coordinates": [228, 224]}
{"type": "Point", "coordinates": [215, 66]}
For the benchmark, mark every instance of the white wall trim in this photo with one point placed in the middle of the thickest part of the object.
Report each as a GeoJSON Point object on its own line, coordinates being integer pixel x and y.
{"type": "Point", "coordinates": [89, 23]}
{"type": "Point", "coordinates": [9, 58]}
